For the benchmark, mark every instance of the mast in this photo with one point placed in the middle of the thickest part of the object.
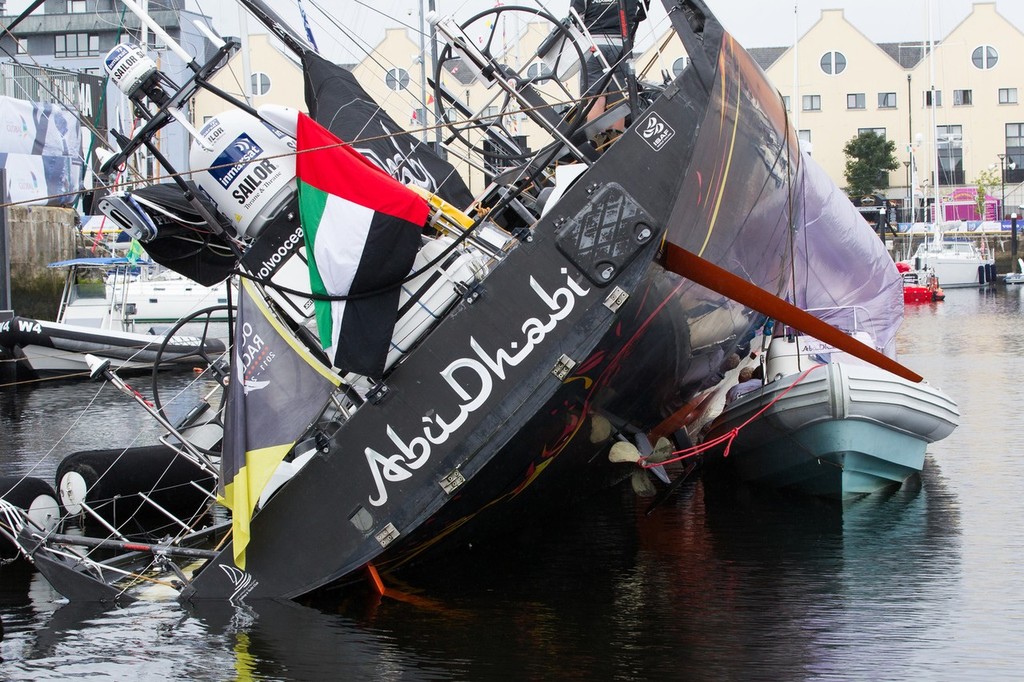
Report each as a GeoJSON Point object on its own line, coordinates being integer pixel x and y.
{"type": "Point", "coordinates": [278, 26]}
{"type": "Point", "coordinates": [936, 194]}
{"type": "Point", "coordinates": [795, 103]}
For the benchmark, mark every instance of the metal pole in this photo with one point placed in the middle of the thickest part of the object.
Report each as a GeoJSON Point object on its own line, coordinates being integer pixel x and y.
{"type": "Point", "coordinates": [423, 75]}
{"type": "Point", "coordinates": [5, 247]}
{"type": "Point", "coordinates": [906, 165]}
{"type": "Point", "coordinates": [1002, 188]}
{"type": "Point", "coordinates": [431, 8]}
{"type": "Point", "coordinates": [1013, 235]}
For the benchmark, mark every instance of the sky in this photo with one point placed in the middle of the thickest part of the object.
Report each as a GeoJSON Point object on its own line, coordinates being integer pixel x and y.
{"type": "Point", "coordinates": [755, 23]}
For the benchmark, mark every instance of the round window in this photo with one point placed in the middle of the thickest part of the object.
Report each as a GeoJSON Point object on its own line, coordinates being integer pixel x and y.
{"type": "Point", "coordinates": [260, 84]}
{"type": "Point", "coordinates": [397, 79]}
{"type": "Point", "coordinates": [833, 63]}
{"type": "Point", "coordinates": [984, 57]}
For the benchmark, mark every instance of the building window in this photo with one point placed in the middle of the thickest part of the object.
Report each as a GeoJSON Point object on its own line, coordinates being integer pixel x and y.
{"type": "Point", "coordinates": [260, 84]}
{"type": "Point", "coordinates": [785, 102]}
{"type": "Point", "coordinates": [1014, 152]}
{"type": "Point", "coordinates": [887, 100]}
{"type": "Point", "coordinates": [538, 71]}
{"type": "Point", "coordinates": [804, 141]}
{"type": "Point", "coordinates": [962, 98]}
{"type": "Point", "coordinates": [21, 46]}
{"type": "Point", "coordinates": [984, 57]}
{"type": "Point", "coordinates": [812, 102]}
{"type": "Point", "coordinates": [678, 66]}
{"type": "Point", "coordinates": [833, 63]}
{"type": "Point", "coordinates": [397, 79]}
{"type": "Point", "coordinates": [928, 98]}
{"type": "Point", "coordinates": [76, 6]}
{"type": "Point", "coordinates": [855, 100]}
{"type": "Point", "coordinates": [76, 45]}
{"type": "Point", "coordinates": [877, 131]}
{"type": "Point", "coordinates": [949, 141]}
{"type": "Point", "coordinates": [1007, 95]}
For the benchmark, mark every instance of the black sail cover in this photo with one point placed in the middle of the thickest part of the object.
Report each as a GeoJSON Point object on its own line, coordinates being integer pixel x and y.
{"type": "Point", "coordinates": [339, 103]}
{"type": "Point", "coordinates": [182, 243]}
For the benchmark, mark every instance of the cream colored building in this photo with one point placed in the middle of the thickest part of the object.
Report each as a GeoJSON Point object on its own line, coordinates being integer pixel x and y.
{"type": "Point", "coordinates": [977, 117]}
{"type": "Point", "coordinates": [274, 77]}
{"type": "Point", "coordinates": [395, 77]}
{"type": "Point", "coordinates": [844, 83]}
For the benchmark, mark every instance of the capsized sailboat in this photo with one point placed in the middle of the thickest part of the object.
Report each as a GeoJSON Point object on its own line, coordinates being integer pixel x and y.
{"type": "Point", "coordinates": [529, 334]}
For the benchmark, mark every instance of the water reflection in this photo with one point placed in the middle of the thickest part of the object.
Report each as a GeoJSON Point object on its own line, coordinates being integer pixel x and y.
{"type": "Point", "coordinates": [920, 583]}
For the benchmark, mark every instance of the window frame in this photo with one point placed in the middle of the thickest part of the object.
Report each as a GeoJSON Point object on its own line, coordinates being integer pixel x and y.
{"type": "Point", "coordinates": [258, 76]}
{"type": "Point", "coordinates": [981, 56]}
{"type": "Point", "coordinates": [1013, 145]}
{"type": "Point", "coordinates": [91, 41]}
{"type": "Point", "coordinates": [836, 63]}
{"type": "Point", "coordinates": [539, 71]}
{"type": "Point", "coordinates": [963, 98]}
{"type": "Point", "coordinates": [397, 79]}
{"type": "Point", "coordinates": [952, 152]}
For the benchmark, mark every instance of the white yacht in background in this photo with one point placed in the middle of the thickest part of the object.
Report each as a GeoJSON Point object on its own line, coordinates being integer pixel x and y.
{"type": "Point", "coordinates": [956, 261]}
{"type": "Point", "coordinates": [118, 314]}
{"type": "Point", "coordinates": [135, 296]}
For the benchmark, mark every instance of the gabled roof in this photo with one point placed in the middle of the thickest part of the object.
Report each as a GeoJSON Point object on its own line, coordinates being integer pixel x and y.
{"type": "Point", "coordinates": [462, 73]}
{"type": "Point", "coordinates": [766, 56]}
{"type": "Point", "coordinates": [906, 54]}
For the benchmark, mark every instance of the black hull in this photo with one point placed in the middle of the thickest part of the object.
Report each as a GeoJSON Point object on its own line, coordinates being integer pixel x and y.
{"type": "Point", "coordinates": [477, 401]}
{"type": "Point", "coordinates": [493, 410]}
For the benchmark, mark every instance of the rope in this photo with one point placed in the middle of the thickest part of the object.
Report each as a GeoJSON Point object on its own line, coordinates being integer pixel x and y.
{"type": "Point", "coordinates": [350, 143]}
{"type": "Point", "coordinates": [729, 436]}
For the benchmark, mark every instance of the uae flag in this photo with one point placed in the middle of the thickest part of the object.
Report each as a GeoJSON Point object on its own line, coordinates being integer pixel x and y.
{"type": "Point", "coordinates": [337, 100]}
{"type": "Point", "coordinates": [362, 230]}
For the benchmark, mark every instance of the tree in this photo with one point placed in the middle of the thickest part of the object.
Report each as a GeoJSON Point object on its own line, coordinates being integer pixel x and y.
{"type": "Point", "coordinates": [986, 179]}
{"type": "Point", "coordinates": [869, 159]}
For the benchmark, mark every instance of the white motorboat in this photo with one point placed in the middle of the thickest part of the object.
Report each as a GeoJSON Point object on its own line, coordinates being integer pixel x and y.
{"type": "Point", "coordinates": [956, 262]}
{"type": "Point", "coordinates": [106, 317]}
{"type": "Point", "coordinates": [1015, 277]}
{"type": "Point", "coordinates": [829, 425]}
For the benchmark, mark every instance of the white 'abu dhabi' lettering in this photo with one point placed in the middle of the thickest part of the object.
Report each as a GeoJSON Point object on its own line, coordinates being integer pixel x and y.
{"type": "Point", "coordinates": [472, 380]}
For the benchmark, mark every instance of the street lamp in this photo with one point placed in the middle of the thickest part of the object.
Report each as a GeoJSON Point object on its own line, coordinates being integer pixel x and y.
{"type": "Point", "coordinates": [1002, 181]}
{"type": "Point", "coordinates": [910, 196]}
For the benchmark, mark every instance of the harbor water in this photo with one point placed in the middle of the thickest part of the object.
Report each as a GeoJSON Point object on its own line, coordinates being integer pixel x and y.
{"type": "Point", "coordinates": [925, 582]}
